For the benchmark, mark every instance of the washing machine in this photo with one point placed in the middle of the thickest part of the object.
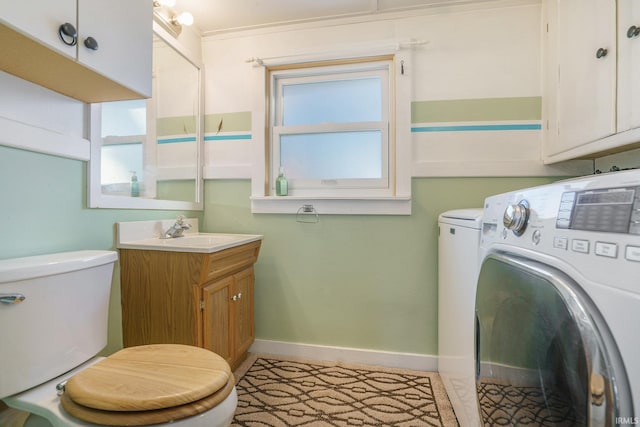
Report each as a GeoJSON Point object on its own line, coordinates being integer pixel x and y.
{"type": "Point", "coordinates": [458, 259]}
{"type": "Point", "coordinates": [558, 304]}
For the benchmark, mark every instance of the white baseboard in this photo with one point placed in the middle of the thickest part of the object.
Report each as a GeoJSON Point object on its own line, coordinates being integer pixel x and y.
{"type": "Point", "coordinates": [419, 362]}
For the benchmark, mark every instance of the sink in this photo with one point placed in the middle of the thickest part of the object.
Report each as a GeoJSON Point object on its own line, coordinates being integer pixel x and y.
{"type": "Point", "coordinates": [192, 242]}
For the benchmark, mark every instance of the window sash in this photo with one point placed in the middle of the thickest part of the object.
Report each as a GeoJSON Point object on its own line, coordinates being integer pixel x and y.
{"type": "Point", "coordinates": [338, 183]}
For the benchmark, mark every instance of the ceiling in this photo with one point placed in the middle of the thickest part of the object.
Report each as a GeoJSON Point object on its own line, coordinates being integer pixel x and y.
{"type": "Point", "coordinates": [214, 16]}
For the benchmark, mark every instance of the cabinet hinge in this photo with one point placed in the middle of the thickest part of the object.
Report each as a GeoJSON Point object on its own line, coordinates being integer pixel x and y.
{"type": "Point", "coordinates": [202, 304]}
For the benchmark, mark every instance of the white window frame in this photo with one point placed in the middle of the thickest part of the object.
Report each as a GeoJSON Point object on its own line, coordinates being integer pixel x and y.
{"type": "Point", "coordinates": [394, 197]}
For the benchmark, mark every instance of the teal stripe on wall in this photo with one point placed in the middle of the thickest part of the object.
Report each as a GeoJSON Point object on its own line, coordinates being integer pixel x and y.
{"type": "Point", "coordinates": [463, 128]}
{"type": "Point", "coordinates": [175, 140]}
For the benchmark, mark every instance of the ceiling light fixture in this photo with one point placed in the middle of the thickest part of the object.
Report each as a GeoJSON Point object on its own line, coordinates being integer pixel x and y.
{"type": "Point", "coordinates": [168, 18]}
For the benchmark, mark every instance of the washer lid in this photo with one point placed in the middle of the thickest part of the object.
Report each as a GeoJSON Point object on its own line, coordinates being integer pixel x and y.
{"type": "Point", "coordinates": [149, 377]}
{"type": "Point", "coordinates": [471, 218]}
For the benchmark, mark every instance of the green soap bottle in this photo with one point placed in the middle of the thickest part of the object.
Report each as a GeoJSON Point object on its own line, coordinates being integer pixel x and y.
{"type": "Point", "coordinates": [135, 185]}
{"type": "Point", "coordinates": [282, 186]}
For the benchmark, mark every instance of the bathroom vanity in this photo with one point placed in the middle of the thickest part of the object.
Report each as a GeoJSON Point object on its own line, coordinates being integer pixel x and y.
{"type": "Point", "coordinates": [195, 290]}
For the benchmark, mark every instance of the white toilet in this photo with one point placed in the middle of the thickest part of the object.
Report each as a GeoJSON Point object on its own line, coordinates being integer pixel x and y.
{"type": "Point", "coordinates": [53, 322]}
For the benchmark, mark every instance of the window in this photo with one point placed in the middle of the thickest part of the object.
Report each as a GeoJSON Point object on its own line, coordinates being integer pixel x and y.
{"type": "Point", "coordinates": [330, 128]}
{"type": "Point", "coordinates": [333, 127]}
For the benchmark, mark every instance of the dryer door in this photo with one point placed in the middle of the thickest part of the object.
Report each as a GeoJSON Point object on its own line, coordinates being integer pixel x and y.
{"type": "Point", "coordinates": [544, 354]}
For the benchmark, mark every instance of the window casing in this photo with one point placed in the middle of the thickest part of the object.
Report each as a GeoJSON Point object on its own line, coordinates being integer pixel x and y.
{"type": "Point", "coordinates": [339, 185]}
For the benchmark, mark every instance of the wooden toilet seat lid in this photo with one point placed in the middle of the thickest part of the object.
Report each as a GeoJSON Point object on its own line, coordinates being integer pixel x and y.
{"type": "Point", "coordinates": [150, 377]}
{"type": "Point", "coordinates": [145, 418]}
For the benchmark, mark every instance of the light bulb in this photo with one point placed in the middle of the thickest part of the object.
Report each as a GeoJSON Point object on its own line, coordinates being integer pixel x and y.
{"type": "Point", "coordinates": [185, 18]}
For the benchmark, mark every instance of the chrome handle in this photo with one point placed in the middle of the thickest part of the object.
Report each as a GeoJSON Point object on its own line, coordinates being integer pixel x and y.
{"type": "Point", "coordinates": [61, 388]}
{"type": "Point", "coordinates": [11, 299]}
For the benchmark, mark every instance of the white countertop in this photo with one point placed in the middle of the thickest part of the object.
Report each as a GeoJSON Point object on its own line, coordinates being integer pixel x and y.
{"type": "Point", "coordinates": [146, 235]}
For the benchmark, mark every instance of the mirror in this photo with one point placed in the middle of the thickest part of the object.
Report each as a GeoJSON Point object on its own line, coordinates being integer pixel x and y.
{"type": "Point", "coordinates": [146, 154]}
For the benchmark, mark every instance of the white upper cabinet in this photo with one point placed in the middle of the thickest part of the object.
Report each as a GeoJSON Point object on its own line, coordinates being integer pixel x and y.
{"type": "Point", "coordinates": [592, 87]}
{"type": "Point", "coordinates": [628, 64]}
{"type": "Point", "coordinates": [123, 30]}
{"type": "Point", "coordinates": [41, 20]}
{"type": "Point", "coordinates": [586, 71]}
{"type": "Point", "coordinates": [89, 50]}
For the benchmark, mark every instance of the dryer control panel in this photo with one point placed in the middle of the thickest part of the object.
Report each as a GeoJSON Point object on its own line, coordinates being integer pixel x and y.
{"type": "Point", "coordinates": [590, 223]}
{"type": "Point", "coordinates": [609, 210]}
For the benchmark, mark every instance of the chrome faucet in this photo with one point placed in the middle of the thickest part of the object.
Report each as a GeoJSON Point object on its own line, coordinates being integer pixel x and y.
{"type": "Point", "coordinates": [177, 228]}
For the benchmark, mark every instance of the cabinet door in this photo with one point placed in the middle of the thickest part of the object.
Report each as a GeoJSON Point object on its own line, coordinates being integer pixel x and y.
{"type": "Point", "coordinates": [41, 20]}
{"type": "Point", "coordinates": [216, 318]}
{"type": "Point", "coordinates": [586, 83]}
{"type": "Point", "coordinates": [242, 311]}
{"type": "Point", "coordinates": [628, 65]}
{"type": "Point", "coordinates": [123, 30]}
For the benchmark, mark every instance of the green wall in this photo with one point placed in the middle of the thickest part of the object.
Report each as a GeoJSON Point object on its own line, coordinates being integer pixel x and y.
{"type": "Point", "coordinates": [357, 281]}
{"type": "Point", "coordinates": [352, 281]}
{"type": "Point", "coordinates": [44, 209]}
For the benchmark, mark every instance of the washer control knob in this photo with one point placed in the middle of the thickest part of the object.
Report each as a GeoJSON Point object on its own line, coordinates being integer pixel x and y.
{"type": "Point", "coordinates": [516, 216]}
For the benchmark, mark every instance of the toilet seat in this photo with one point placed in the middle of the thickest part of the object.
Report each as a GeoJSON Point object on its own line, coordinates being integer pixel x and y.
{"type": "Point", "coordinates": [149, 384]}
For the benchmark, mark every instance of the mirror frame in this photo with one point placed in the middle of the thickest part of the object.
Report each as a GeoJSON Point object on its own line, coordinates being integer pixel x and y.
{"type": "Point", "coordinates": [95, 198]}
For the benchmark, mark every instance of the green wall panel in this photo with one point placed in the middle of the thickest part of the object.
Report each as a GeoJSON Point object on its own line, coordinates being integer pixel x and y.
{"type": "Point", "coordinates": [350, 280]}
{"type": "Point", "coordinates": [474, 110]}
{"type": "Point", "coordinates": [44, 210]}
{"type": "Point", "coordinates": [358, 281]}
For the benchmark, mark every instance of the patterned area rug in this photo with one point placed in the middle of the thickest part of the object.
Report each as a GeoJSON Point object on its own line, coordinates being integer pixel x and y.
{"type": "Point", "coordinates": [281, 392]}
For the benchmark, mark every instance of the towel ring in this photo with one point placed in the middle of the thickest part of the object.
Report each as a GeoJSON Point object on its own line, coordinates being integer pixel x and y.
{"type": "Point", "coordinates": [307, 214]}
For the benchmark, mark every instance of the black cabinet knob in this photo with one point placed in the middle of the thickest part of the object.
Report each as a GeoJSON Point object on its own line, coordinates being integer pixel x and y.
{"type": "Point", "coordinates": [633, 31]}
{"type": "Point", "coordinates": [91, 43]}
{"type": "Point", "coordinates": [601, 53]}
{"type": "Point", "coordinates": [68, 34]}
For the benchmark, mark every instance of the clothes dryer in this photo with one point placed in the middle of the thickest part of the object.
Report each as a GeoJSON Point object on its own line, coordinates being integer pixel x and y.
{"type": "Point", "coordinates": [558, 304]}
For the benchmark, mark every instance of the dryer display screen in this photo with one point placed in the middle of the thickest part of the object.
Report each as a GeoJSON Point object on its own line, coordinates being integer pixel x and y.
{"type": "Point", "coordinates": [611, 210]}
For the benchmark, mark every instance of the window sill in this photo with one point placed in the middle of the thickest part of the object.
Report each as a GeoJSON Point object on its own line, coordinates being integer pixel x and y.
{"type": "Point", "coordinates": [332, 205]}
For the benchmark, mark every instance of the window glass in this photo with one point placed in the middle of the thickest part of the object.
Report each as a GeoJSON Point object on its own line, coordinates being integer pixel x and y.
{"type": "Point", "coordinates": [124, 118]}
{"type": "Point", "coordinates": [335, 155]}
{"type": "Point", "coordinates": [120, 161]}
{"type": "Point", "coordinates": [333, 101]}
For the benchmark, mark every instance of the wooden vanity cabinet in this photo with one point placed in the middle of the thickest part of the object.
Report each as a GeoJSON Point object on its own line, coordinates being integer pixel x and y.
{"type": "Point", "coordinates": [190, 298]}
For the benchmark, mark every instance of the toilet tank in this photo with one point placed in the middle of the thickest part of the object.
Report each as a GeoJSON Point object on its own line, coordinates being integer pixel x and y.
{"type": "Point", "coordinates": [62, 320]}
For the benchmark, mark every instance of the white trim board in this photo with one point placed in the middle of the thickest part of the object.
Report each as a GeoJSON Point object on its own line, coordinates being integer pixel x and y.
{"type": "Point", "coordinates": [418, 362]}
{"type": "Point", "coordinates": [28, 137]}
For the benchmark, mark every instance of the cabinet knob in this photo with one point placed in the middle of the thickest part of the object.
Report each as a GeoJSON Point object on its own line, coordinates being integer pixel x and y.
{"type": "Point", "coordinates": [68, 34]}
{"type": "Point", "coordinates": [234, 298]}
{"type": "Point", "coordinates": [91, 43]}
{"type": "Point", "coordinates": [633, 31]}
{"type": "Point", "coordinates": [239, 295]}
{"type": "Point", "coordinates": [601, 53]}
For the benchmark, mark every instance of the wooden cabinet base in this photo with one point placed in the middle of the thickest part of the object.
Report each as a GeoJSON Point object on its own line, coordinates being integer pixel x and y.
{"type": "Point", "coordinates": [197, 299]}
